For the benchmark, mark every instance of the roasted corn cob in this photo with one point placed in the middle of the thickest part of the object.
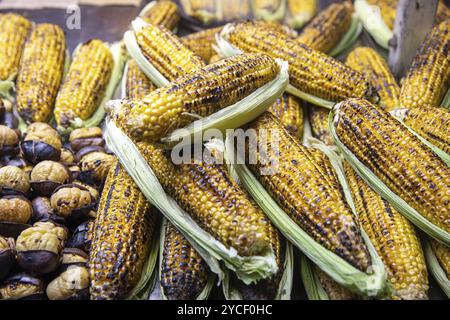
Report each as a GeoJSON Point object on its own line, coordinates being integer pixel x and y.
{"type": "Point", "coordinates": [325, 31]}
{"type": "Point", "coordinates": [388, 9]}
{"type": "Point", "coordinates": [14, 30]}
{"type": "Point", "coordinates": [123, 229]}
{"type": "Point", "coordinates": [85, 83]}
{"type": "Point", "coordinates": [162, 13]}
{"type": "Point", "coordinates": [289, 111]}
{"type": "Point", "coordinates": [306, 192]}
{"type": "Point", "coordinates": [442, 254]}
{"type": "Point", "coordinates": [205, 11]}
{"type": "Point", "coordinates": [184, 273]}
{"type": "Point", "coordinates": [374, 67]}
{"type": "Point", "coordinates": [428, 78]}
{"type": "Point", "coordinates": [201, 43]}
{"type": "Point", "coordinates": [333, 290]}
{"type": "Point", "coordinates": [394, 239]}
{"type": "Point", "coordinates": [214, 200]}
{"type": "Point", "coordinates": [318, 118]}
{"type": "Point", "coordinates": [310, 71]}
{"type": "Point", "coordinates": [166, 52]}
{"type": "Point", "coordinates": [300, 12]}
{"type": "Point", "coordinates": [397, 157]}
{"type": "Point", "coordinates": [442, 12]}
{"type": "Point", "coordinates": [137, 83]}
{"type": "Point", "coordinates": [431, 123]}
{"type": "Point", "coordinates": [269, 10]}
{"type": "Point", "coordinates": [201, 92]}
{"type": "Point", "coordinates": [41, 71]}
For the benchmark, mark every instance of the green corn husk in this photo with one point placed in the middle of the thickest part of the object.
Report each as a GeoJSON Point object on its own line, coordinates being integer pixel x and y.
{"type": "Point", "coordinates": [373, 284]}
{"type": "Point", "coordinates": [436, 269]}
{"type": "Point", "coordinates": [6, 86]}
{"type": "Point", "coordinates": [376, 184]}
{"type": "Point", "coordinates": [446, 101]}
{"type": "Point", "coordinates": [349, 38]}
{"type": "Point", "coordinates": [313, 287]}
{"type": "Point", "coordinates": [284, 288]}
{"type": "Point", "coordinates": [248, 269]}
{"type": "Point", "coordinates": [374, 24]}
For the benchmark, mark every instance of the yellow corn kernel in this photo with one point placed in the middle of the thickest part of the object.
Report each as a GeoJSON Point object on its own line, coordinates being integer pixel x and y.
{"type": "Point", "coordinates": [163, 13]}
{"type": "Point", "coordinates": [300, 12]}
{"type": "Point", "coordinates": [318, 118]}
{"type": "Point", "coordinates": [201, 43]}
{"type": "Point", "coordinates": [289, 111]}
{"type": "Point", "coordinates": [137, 83]}
{"type": "Point", "coordinates": [442, 254]}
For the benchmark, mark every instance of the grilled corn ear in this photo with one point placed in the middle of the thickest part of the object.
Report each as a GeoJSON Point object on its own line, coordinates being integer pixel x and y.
{"type": "Point", "coordinates": [201, 43]}
{"type": "Point", "coordinates": [269, 10]}
{"type": "Point", "coordinates": [374, 67]}
{"type": "Point", "coordinates": [428, 78]}
{"type": "Point", "coordinates": [333, 290]}
{"type": "Point", "coordinates": [318, 118]}
{"type": "Point", "coordinates": [162, 13]}
{"type": "Point", "coordinates": [306, 192]}
{"type": "Point", "coordinates": [398, 159]}
{"type": "Point", "coordinates": [442, 254]}
{"type": "Point", "coordinates": [289, 111]}
{"type": "Point", "coordinates": [85, 83]}
{"type": "Point", "coordinates": [41, 71]}
{"type": "Point", "coordinates": [14, 30]}
{"type": "Point", "coordinates": [137, 84]}
{"type": "Point", "coordinates": [300, 12]}
{"type": "Point", "coordinates": [184, 274]}
{"type": "Point", "coordinates": [326, 30]}
{"type": "Point", "coordinates": [394, 239]}
{"type": "Point", "coordinates": [123, 229]}
{"type": "Point", "coordinates": [311, 72]}
{"type": "Point", "coordinates": [200, 93]}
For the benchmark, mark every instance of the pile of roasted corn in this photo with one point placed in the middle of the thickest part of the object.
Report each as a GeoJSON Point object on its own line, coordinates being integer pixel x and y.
{"type": "Point", "coordinates": [357, 185]}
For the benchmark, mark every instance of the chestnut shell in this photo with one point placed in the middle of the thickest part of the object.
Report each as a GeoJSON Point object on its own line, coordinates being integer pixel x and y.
{"type": "Point", "coordinates": [37, 151]}
{"type": "Point", "coordinates": [81, 143]}
{"type": "Point", "coordinates": [38, 261]}
{"type": "Point", "coordinates": [7, 260]}
{"type": "Point", "coordinates": [12, 229]}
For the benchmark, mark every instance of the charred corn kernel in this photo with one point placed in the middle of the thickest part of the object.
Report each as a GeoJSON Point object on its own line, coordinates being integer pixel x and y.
{"type": "Point", "coordinates": [184, 273]}
{"type": "Point", "coordinates": [201, 43]}
{"type": "Point", "coordinates": [201, 92]}
{"type": "Point", "coordinates": [443, 256]}
{"type": "Point", "coordinates": [203, 10]}
{"type": "Point", "coordinates": [214, 200]}
{"type": "Point", "coordinates": [306, 192]}
{"type": "Point", "coordinates": [40, 73]}
{"type": "Point", "coordinates": [301, 11]}
{"type": "Point", "coordinates": [432, 123]}
{"type": "Point", "coordinates": [85, 83]}
{"type": "Point", "coordinates": [310, 71]}
{"type": "Point", "coordinates": [388, 10]}
{"type": "Point", "coordinates": [325, 31]}
{"type": "Point", "coordinates": [289, 111]}
{"type": "Point", "coordinates": [428, 78]}
{"type": "Point", "coordinates": [374, 67]}
{"type": "Point", "coordinates": [442, 13]}
{"type": "Point", "coordinates": [394, 239]}
{"type": "Point", "coordinates": [318, 118]}
{"type": "Point", "coordinates": [269, 10]}
{"type": "Point", "coordinates": [14, 30]}
{"type": "Point", "coordinates": [164, 13]}
{"type": "Point", "coordinates": [137, 83]}
{"type": "Point", "coordinates": [333, 290]}
{"type": "Point", "coordinates": [166, 52]}
{"type": "Point", "coordinates": [124, 226]}
{"type": "Point", "coordinates": [397, 157]}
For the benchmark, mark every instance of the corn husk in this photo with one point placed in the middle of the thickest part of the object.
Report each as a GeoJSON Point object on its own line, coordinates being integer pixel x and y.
{"type": "Point", "coordinates": [436, 270]}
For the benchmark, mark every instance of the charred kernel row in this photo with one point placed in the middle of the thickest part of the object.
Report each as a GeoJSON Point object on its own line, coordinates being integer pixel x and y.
{"type": "Point", "coordinates": [325, 31]}
{"type": "Point", "coordinates": [333, 290]}
{"type": "Point", "coordinates": [428, 78]}
{"type": "Point", "coordinates": [394, 239]}
{"type": "Point", "coordinates": [184, 273]}
{"type": "Point", "coordinates": [367, 61]}
{"type": "Point", "coordinates": [200, 92]}
{"type": "Point", "coordinates": [310, 71]}
{"type": "Point", "coordinates": [397, 157]}
{"type": "Point", "coordinates": [40, 73]}
{"type": "Point", "coordinates": [163, 13]}
{"type": "Point", "coordinates": [201, 43]}
{"type": "Point", "coordinates": [306, 192]}
{"type": "Point", "coordinates": [214, 200]}
{"type": "Point", "coordinates": [137, 83]}
{"type": "Point", "coordinates": [318, 118]}
{"type": "Point", "coordinates": [443, 256]}
{"type": "Point", "coordinates": [85, 83]}
{"type": "Point", "coordinates": [123, 230]}
{"type": "Point", "coordinates": [289, 111]}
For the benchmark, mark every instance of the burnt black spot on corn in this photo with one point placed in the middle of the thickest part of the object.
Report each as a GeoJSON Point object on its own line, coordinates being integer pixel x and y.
{"type": "Point", "coordinates": [184, 273]}
{"type": "Point", "coordinates": [374, 67]}
{"type": "Point", "coordinates": [201, 92]}
{"type": "Point", "coordinates": [428, 78]}
{"type": "Point", "coordinates": [307, 193]}
{"type": "Point", "coordinates": [123, 229]}
{"type": "Point", "coordinates": [289, 111]}
{"type": "Point", "coordinates": [397, 157]}
{"type": "Point", "coordinates": [214, 200]}
{"type": "Point", "coordinates": [164, 13]}
{"type": "Point", "coordinates": [333, 290]}
{"type": "Point", "coordinates": [442, 254]}
{"type": "Point", "coordinates": [318, 118]}
{"type": "Point", "coordinates": [85, 83]}
{"type": "Point", "coordinates": [432, 123]}
{"type": "Point", "coordinates": [325, 31]}
{"type": "Point", "coordinates": [388, 10]}
{"type": "Point", "coordinates": [14, 30]}
{"type": "Point", "coordinates": [310, 71]}
{"type": "Point", "coordinates": [394, 239]}
{"type": "Point", "coordinates": [201, 42]}
{"type": "Point", "coordinates": [137, 83]}
{"type": "Point", "coordinates": [40, 73]}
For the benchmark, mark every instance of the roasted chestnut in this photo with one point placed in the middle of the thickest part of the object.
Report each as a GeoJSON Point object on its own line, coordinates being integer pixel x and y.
{"type": "Point", "coordinates": [41, 142]}
{"type": "Point", "coordinates": [43, 211]}
{"type": "Point", "coordinates": [83, 137]}
{"type": "Point", "coordinates": [73, 202]}
{"type": "Point", "coordinates": [15, 212]}
{"type": "Point", "coordinates": [40, 247]}
{"type": "Point", "coordinates": [72, 284]}
{"type": "Point", "coordinates": [82, 236]}
{"type": "Point", "coordinates": [22, 286]}
{"type": "Point", "coordinates": [74, 171]}
{"type": "Point", "coordinates": [92, 190]}
{"type": "Point", "coordinates": [8, 119]}
{"type": "Point", "coordinates": [94, 165]}
{"type": "Point", "coordinates": [14, 180]}
{"type": "Point", "coordinates": [9, 141]}
{"type": "Point", "coordinates": [7, 257]}
{"type": "Point", "coordinates": [73, 256]}
{"type": "Point", "coordinates": [46, 176]}
{"type": "Point", "coordinates": [67, 156]}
